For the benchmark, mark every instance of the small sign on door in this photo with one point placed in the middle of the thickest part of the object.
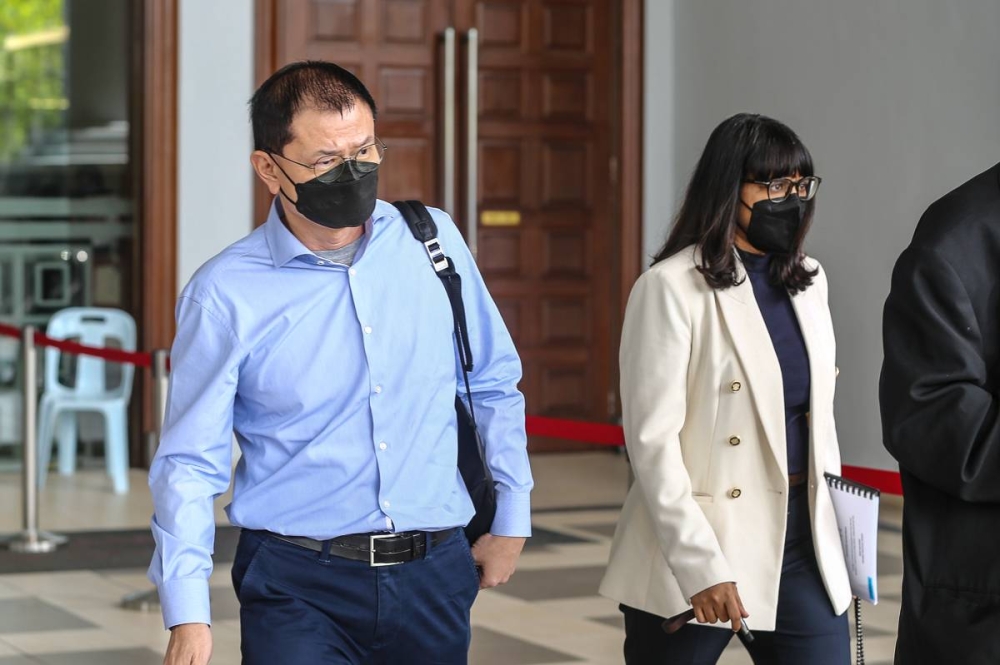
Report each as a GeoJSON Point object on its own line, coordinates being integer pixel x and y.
{"type": "Point", "coordinates": [500, 218]}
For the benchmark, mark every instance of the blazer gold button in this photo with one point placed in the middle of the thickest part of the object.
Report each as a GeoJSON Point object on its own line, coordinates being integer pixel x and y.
{"type": "Point", "coordinates": [734, 440]}
{"type": "Point", "coordinates": [735, 387]}
{"type": "Point", "coordinates": [736, 492]}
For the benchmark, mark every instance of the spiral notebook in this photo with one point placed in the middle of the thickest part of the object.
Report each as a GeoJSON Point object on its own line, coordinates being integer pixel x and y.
{"type": "Point", "coordinates": [856, 507]}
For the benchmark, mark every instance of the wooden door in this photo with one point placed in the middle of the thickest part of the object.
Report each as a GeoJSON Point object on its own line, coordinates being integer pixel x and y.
{"type": "Point", "coordinates": [544, 193]}
{"type": "Point", "coordinates": [545, 219]}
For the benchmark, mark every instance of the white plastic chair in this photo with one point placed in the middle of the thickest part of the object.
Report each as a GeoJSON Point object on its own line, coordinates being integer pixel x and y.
{"type": "Point", "coordinates": [60, 403]}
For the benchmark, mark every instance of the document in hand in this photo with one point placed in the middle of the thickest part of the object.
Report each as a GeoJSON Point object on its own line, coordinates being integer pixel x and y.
{"type": "Point", "coordinates": [856, 507]}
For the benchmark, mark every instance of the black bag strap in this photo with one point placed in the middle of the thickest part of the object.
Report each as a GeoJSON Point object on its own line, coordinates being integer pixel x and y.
{"type": "Point", "coordinates": [424, 229]}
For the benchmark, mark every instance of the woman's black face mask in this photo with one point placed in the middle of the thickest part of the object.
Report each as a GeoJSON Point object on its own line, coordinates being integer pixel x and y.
{"type": "Point", "coordinates": [345, 202]}
{"type": "Point", "coordinates": [774, 227]}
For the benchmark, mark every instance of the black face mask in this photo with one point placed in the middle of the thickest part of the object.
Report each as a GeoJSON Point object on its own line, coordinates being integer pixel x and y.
{"type": "Point", "coordinates": [774, 227]}
{"type": "Point", "coordinates": [346, 202]}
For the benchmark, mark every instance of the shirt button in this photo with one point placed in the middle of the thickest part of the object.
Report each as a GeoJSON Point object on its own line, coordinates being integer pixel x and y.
{"type": "Point", "coordinates": [378, 390]}
{"type": "Point", "coordinates": [386, 504]}
{"type": "Point", "coordinates": [368, 330]}
{"type": "Point", "coordinates": [734, 440]}
{"type": "Point", "coordinates": [736, 492]}
{"type": "Point", "coordinates": [736, 386]}
{"type": "Point", "coordinates": [382, 446]}
{"type": "Point", "coordinates": [352, 272]}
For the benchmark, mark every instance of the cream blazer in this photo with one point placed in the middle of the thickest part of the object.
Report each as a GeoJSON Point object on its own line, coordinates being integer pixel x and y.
{"type": "Point", "coordinates": [703, 407]}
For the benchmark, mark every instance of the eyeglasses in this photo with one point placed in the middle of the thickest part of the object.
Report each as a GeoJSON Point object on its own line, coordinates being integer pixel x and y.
{"type": "Point", "coordinates": [328, 169]}
{"type": "Point", "coordinates": [780, 189]}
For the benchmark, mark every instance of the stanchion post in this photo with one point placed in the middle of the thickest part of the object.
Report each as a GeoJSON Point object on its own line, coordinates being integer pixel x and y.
{"type": "Point", "coordinates": [31, 540]}
{"type": "Point", "coordinates": [148, 601]}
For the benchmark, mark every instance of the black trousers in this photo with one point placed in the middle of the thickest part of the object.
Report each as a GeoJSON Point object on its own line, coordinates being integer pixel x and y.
{"type": "Point", "coordinates": [807, 630]}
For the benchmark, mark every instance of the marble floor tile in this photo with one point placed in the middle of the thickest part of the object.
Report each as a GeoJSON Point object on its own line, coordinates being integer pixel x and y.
{"type": "Point", "coordinates": [114, 657]}
{"type": "Point", "coordinates": [21, 615]}
{"type": "Point", "coordinates": [492, 648]}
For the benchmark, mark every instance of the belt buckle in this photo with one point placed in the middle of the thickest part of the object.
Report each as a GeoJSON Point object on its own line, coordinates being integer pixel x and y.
{"type": "Point", "coordinates": [371, 550]}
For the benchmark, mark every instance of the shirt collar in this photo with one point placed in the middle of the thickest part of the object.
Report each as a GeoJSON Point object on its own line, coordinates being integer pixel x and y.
{"type": "Point", "coordinates": [285, 247]}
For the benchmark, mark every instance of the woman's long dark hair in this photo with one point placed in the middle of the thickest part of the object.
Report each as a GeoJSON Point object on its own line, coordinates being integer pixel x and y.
{"type": "Point", "coordinates": [744, 147]}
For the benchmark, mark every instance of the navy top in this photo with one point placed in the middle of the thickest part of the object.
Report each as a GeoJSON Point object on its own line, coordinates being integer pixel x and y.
{"type": "Point", "coordinates": [776, 307]}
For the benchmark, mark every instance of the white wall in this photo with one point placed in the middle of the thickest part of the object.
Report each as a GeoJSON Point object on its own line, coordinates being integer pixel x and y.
{"type": "Point", "coordinates": [215, 81]}
{"type": "Point", "coordinates": [898, 100]}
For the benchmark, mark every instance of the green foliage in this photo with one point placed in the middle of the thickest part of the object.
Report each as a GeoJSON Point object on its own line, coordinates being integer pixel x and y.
{"type": "Point", "coordinates": [32, 78]}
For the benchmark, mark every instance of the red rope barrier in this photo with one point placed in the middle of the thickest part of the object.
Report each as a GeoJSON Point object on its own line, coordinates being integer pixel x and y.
{"type": "Point", "coordinates": [884, 481]}
{"type": "Point", "coordinates": [9, 331]}
{"type": "Point", "coordinates": [114, 355]}
{"type": "Point", "coordinates": [574, 430]}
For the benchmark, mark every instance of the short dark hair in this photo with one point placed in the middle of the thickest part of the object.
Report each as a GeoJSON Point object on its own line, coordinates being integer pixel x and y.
{"type": "Point", "coordinates": [306, 84]}
{"type": "Point", "coordinates": [744, 147]}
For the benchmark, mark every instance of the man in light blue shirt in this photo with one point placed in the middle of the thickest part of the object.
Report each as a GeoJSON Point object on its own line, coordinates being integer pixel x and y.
{"type": "Point", "coordinates": [324, 340]}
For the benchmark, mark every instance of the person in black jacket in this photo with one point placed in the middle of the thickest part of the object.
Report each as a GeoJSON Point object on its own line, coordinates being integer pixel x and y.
{"type": "Point", "coordinates": [941, 421]}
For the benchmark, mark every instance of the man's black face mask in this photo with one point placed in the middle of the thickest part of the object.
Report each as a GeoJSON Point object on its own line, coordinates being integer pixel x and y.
{"type": "Point", "coordinates": [345, 202]}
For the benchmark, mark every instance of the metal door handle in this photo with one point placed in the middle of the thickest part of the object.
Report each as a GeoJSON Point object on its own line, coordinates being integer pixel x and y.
{"type": "Point", "coordinates": [472, 145]}
{"type": "Point", "coordinates": [449, 121]}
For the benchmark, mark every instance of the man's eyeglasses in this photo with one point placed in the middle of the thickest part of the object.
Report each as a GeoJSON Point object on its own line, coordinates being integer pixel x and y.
{"type": "Point", "coordinates": [329, 169]}
{"type": "Point", "coordinates": [780, 189]}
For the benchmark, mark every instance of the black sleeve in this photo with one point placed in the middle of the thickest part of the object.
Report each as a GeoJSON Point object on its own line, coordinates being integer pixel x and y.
{"type": "Point", "coordinates": [939, 415]}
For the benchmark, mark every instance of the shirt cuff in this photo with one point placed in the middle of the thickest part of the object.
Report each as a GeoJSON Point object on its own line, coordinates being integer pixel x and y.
{"type": "Point", "coordinates": [185, 600]}
{"type": "Point", "coordinates": [513, 518]}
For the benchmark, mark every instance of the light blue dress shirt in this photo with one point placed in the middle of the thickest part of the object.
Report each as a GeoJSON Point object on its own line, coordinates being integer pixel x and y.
{"type": "Point", "coordinates": [340, 385]}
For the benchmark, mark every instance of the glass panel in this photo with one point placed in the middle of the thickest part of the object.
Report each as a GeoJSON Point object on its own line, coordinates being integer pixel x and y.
{"type": "Point", "coordinates": [66, 178]}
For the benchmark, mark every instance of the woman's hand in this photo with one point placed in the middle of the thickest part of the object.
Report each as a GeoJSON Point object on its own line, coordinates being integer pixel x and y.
{"type": "Point", "coordinates": [719, 603]}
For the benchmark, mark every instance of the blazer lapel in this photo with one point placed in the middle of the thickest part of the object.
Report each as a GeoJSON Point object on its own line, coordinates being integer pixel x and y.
{"type": "Point", "coordinates": [756, 354]}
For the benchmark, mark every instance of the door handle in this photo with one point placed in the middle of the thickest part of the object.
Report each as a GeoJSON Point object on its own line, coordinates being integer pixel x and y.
{"type": "Point", "coordinates": [448, 142]}
{"type": "Point", "coordinates": [472, 145]}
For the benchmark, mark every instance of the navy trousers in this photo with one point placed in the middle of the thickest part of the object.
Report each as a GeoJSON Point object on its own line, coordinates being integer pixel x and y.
{"type": "Point", "coordinates": [807, 630]}
{"type": "Point", "coordinates": [297, 607]}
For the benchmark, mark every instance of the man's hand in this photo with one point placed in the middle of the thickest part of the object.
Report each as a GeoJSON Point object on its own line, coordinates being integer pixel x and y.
{"type": "Point", "coordinates": [497, 556]}
{"type": "Point", "coordinates": [190, 644]}
{"type": "Point", "coordinates": [719, 603]}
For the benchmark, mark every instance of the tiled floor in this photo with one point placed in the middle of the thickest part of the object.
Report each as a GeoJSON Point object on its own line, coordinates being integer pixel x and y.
{"type": "Point", "coordinates": [549, 614]}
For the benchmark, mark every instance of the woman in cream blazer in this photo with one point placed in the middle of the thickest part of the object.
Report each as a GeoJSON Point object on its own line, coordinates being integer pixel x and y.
{"type": "Point", "coordinates": [711, 361]}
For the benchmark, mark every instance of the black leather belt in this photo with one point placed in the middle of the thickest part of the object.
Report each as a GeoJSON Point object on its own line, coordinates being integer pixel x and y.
{"type": "Point", "coordinates": [378, 549]}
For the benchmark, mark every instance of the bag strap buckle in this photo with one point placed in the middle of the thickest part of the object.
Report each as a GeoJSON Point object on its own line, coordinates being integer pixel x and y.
{"type": "Point", "coordinates": [436, 254]}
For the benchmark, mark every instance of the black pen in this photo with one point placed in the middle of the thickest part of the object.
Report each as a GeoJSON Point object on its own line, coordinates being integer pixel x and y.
{"type": "Point", "coordinates": [675, 623]}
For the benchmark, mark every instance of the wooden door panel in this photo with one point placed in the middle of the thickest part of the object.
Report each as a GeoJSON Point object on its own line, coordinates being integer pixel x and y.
{"type": "Point", "coordinates": [567, 169]}
{"type": "Point", "coordinates": [567, 96]}
{"type": "Point", "coordinates": [501, 95]}
{"type": "Point", "coordinates": [334, 20]}
{"type": "Point", "coordinates": [565, 254]}
{"type": "Point", "coordinates": [502, 25]}
{"type": "Point", "coordinates": [406, 21]}
{"type": "Point", "coordinates": [500, 253]}
{"type": "Point", "coordinates": [568, 27]}
{"type": "Point", "coordinates": [404, 91]}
